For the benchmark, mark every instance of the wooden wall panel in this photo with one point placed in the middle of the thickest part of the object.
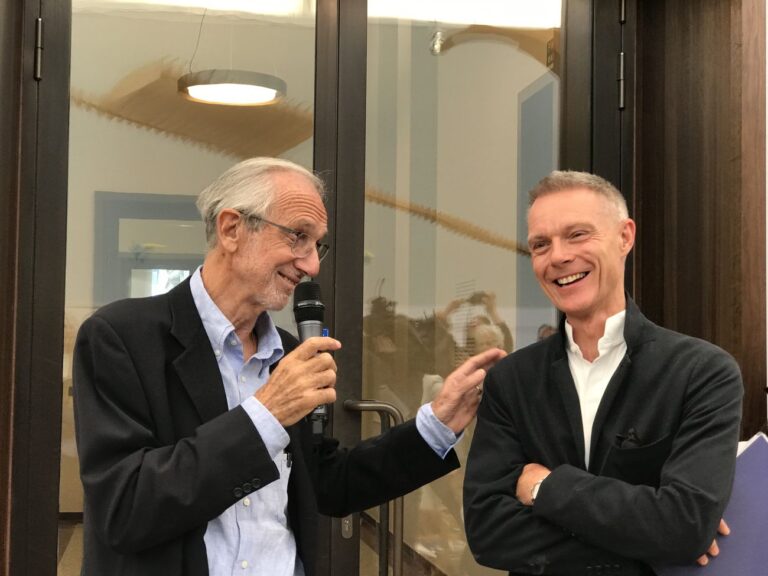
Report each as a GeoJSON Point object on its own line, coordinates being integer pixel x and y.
{"type": "Point", "coordinates": [700, 177]}
{"type": "Point", "coordinates": [753, 235]}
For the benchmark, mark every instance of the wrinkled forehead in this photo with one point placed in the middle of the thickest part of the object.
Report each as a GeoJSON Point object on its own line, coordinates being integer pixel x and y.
{"type": "Point", "coordinates": [298, 204]}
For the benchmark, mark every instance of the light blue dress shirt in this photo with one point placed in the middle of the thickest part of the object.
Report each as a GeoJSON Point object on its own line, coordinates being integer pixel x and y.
{"type": "Point", "coordinates": [252, 537]}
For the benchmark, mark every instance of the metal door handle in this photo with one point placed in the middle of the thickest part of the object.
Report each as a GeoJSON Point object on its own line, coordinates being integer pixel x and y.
{"type": "Point", "coordinates": [386, 411]}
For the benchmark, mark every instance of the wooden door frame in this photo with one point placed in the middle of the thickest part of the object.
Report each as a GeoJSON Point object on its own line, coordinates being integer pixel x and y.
{"type": "Point", "coordinates": [33, 170]}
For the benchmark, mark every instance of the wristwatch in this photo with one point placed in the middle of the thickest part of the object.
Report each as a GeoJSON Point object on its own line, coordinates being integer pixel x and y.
{"type": "Point", "coordinates": [535, 491]}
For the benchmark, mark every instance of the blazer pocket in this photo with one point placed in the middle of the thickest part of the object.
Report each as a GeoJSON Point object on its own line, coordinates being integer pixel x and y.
{"type": "Point", "coordinates": [638, 464]}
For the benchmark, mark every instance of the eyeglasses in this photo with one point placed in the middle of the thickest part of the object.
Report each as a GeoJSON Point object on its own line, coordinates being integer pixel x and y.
{"type": "Point", "coordinates": [302, 244]}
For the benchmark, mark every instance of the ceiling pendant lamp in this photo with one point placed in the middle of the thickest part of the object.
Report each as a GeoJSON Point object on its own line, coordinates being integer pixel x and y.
{"type": "Point", "coordinates": [228, 86]}
{"type": "Point", "coordinates": [232, 87]}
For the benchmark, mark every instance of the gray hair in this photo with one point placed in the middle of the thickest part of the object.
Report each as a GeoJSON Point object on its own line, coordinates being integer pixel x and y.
{"type": "Point", "coordinates": [247, 187]}
{"type": "Point", "coordinates": [561, 180]}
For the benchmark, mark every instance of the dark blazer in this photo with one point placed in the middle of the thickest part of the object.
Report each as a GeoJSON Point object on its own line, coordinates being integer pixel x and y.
{"type": "Point", "coordinates": [662, 457]}
{"type": "Point", "coordinates": [160, 454]}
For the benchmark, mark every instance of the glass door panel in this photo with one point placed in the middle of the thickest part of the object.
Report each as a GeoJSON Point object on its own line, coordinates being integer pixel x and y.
{"type": "Point", "coordinates": [462, 120]}
{"type": "Point", "coordinates": [140, 153]}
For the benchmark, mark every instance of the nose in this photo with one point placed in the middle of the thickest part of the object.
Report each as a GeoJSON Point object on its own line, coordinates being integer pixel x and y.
{"type": "Point", "coordinates": [309, 264]}
{"type": "Point", "coordinates": [560, 252]}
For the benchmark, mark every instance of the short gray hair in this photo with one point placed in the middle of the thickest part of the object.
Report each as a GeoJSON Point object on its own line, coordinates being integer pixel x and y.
{"type": "Point", "coordinates": [561, 180]}
{"type": "Point", "coordinates": [247, 187]}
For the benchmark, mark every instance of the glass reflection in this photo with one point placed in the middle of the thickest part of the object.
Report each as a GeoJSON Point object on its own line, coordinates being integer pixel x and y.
{"type": "Point", "coordinates": [462, 119]}
{"type": "Point", "coordinates": [135, 143]}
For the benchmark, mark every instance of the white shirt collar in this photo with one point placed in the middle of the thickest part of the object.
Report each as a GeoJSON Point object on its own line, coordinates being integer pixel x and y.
{"type": "Point", "coordinates": [613, 334]}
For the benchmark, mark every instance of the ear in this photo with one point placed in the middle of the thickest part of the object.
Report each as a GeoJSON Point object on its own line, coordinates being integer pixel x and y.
{"type": "Point", "coordinates": [229, 229]}
{"type": "Point", "coordinates": [627, 237]}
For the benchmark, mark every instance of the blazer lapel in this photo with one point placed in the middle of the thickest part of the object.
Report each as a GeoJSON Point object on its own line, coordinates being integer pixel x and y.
{"type": "Point", "coordinates": [611, 391]}
{"type": "Point", "coordinates": [196, 366]}
{"type": "Point", "coordinates": [561, 375]}
{"type": "Point", "coordinates": [635, 335]}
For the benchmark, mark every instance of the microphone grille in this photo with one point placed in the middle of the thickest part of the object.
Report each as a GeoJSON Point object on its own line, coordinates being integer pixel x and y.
{"type": "Point", "coordinates": [307, 291]}
{"type": "Point", "coordinates": [307, 305]}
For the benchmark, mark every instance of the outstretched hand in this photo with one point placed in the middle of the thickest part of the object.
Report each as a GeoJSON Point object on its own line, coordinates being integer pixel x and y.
{"type": "Point", "coordinates": [456, 403]}
{"type": "Point", "coordinates": [303, 380]}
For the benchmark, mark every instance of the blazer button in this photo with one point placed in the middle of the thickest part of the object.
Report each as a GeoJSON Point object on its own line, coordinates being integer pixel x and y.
{"type": "Point", "coordinates": [256, 483]}
{"type": "Point", "coordinates": [247, 488]}
{"type": "Point", "coordinates": [238, 492]}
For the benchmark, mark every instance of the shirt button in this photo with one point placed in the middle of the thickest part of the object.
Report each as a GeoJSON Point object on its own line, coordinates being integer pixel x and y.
{"type": "Point", "coordinates": [233, 342]}
{"type": "Point", "coordinates": [246, 502]}
{"type": "Point", "coordinates": [217, 352]}
{"type": "Point", "coordinates": [244, 564]}
{"type": "Point", "coordinates": [242, 378]}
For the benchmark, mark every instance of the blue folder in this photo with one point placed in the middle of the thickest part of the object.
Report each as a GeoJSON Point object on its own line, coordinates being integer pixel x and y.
{"type": "Point", "coordinates": [745, 551]}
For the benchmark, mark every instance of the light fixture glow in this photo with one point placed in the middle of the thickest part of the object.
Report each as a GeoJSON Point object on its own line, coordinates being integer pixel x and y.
{"type": "Point", "coordinates": [232, 87]}
{"type": "Point", "coordinates": [541, 14]}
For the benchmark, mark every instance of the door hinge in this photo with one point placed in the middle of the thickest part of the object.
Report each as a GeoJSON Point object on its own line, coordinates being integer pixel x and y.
{"type": "Point", "coordinates": [38, 65]}
{"type": "Point", "coordinates": [621, 80]}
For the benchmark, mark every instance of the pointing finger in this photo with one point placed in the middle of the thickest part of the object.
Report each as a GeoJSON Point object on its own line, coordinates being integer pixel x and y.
{"type": "Point", "coordinates": [483, 361]}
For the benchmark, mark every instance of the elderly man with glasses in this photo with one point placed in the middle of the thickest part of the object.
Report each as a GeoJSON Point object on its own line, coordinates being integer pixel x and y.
{"type": "Point", "coordinates": [191, 408]}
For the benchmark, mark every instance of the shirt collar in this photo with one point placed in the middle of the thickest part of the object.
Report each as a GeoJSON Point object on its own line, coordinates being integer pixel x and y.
{"type": "Point", "coordinates": [612, 336]}
{"type": "Point", "coordinates": [218, 327]}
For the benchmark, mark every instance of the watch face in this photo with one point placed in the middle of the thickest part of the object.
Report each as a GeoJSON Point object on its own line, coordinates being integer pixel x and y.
{"type": "Point", "coordinates": [535, 491]}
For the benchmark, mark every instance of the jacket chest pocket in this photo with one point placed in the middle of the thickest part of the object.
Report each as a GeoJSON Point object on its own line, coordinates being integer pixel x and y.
{"type": "Point", "coordinates": [638, 464]}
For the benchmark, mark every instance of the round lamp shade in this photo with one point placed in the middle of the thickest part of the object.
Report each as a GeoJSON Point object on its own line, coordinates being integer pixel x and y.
{"type": "Point", "coordinates": [232, 87]}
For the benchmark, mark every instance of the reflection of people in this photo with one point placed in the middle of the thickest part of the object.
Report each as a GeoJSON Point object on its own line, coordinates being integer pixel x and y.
{"type": "Point", "coordinates": [196, 453]}
{"type": "Point", "coordinates": [611, 445]}
{"type": "Point", "coordinates": [490, 318]}
{"type": "Point", "coordinates": [482, 331]}
{"type": "Point", "coordinates": [487, 336]}
{"type": "Point", "coordinates": [545, 331]}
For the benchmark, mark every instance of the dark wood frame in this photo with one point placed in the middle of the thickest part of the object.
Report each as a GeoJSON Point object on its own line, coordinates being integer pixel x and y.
{"type": "Point", "coordinates": [10, 141]}
{"type": "Point", "coordinates": [700, 177]}
{"type": "Point", "coordinates": [340, 159]}
{"type": "Point", "coordinates": [35, 121]}
{"type": "Point", "coordinates": [752, 218]}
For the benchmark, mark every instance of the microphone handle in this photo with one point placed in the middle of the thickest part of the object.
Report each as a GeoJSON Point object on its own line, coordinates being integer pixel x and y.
{"type": "Point", "coordinates": [310, 328]}
{"type": "Point", "coordinates": [319, 416]}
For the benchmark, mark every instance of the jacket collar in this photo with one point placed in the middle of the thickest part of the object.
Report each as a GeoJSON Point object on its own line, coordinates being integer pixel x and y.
{"type": "Point", "coordinates": [638, 330]}
{"type": "Point", "coordinates": [196, 366]}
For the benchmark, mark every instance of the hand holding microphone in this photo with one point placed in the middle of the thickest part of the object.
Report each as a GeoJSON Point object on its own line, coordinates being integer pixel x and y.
{"type": "Point", "coordinates": [309, 311]}
{"type": "Point", "coordinates": [305, 379]}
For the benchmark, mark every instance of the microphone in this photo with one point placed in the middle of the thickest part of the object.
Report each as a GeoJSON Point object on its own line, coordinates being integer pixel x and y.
{"type": "Point", "coordinates": [309, 311]}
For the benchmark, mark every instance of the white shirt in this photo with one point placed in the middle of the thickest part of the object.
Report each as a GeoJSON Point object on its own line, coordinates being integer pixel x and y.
{"type": "Point", "coordinates": [591, 378]}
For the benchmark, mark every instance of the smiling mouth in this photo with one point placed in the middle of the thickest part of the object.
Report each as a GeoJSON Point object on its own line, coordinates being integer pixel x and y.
{"type": "Point", "coordinates": [573, 278]}
{"type": "Point", "coordinates": [293, 281]}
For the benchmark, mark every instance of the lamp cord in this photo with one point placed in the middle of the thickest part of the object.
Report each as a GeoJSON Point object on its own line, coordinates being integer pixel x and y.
{"type": "Point", "coordinates": [197, 42]}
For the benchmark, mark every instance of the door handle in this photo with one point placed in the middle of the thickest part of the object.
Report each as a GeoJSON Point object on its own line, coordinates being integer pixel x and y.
{"type": "Point", "coordinates": [386, 411]}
